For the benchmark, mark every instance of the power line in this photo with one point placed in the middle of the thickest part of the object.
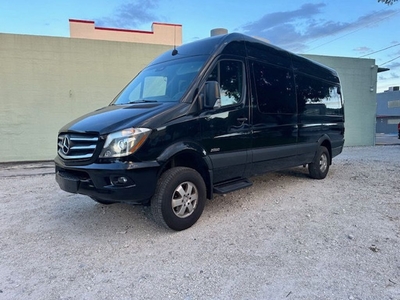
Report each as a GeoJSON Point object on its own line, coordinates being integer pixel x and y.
{"type": "Point", "coordinates": [390, 61]}
{"type": "Point", "coordinates": [380, 50]}
{"type": "Point", "coordinates": [358, 29]}
{"type": "Point", "coordinates": [335, 39]}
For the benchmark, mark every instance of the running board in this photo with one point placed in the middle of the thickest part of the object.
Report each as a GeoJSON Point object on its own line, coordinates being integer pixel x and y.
{"type": "Point", "coordinates": [231, 186]}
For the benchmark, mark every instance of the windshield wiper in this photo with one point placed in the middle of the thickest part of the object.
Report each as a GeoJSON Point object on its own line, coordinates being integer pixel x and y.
{"type": "Point", "coordinates": [142, 101]}
{"type": "Point", "coordinates": [136, 101]}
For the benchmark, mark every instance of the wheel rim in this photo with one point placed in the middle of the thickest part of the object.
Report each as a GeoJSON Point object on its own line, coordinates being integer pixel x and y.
{"type": "Point", "coordinates": [323, 162]}
{"type": "Point", "coordinates": [184, 199]}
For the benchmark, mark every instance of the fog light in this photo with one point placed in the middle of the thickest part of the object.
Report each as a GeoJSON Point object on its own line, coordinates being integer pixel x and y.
{"type": "Point", "coordinates": [121, 180]}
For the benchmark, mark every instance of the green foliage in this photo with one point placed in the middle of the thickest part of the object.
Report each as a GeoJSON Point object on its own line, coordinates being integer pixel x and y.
{"type": "Point", "coordinates": [388, 2]}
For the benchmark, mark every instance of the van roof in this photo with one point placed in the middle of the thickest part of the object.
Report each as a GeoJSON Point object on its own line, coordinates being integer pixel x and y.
{"type": "Point", "coordinates": [216, 44]}
{"type": "Point", "coordinates": [207, 46]}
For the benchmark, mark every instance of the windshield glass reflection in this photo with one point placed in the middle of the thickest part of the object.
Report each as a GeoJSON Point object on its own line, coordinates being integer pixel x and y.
{"type": "Point", "coordinates": [164, 82]}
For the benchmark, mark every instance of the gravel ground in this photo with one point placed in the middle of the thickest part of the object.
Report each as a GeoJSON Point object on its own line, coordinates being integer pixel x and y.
{"type": "Point", "coordinates": [286, 237]}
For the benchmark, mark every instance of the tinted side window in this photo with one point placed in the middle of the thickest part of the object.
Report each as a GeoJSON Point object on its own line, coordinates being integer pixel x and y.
{"type": "Point", "coordinates": [274, 88]}
{"type": "Point", "coordinates": [268, 54]}
{"type": "Point", "coordinates": [303, 65]}
{"type": "Point", "coordinates": [318, 97]}
{"type": "Point", "coordinates": [229, 74]}
{"type": "Point", "coordinates": [235, 48]}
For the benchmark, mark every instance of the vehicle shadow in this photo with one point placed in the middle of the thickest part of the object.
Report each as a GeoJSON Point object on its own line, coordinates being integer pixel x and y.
{"type": "Point", "coordinates": [81, 215]}
{"type": "Point", "coordinates": [235, 201]}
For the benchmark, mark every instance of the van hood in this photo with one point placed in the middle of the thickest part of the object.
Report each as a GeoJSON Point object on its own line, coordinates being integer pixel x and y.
{"type": "Point", "coordinates": [118, 117]}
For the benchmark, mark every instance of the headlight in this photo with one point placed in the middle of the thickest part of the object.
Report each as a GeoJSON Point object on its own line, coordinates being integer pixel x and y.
{"type": "Point", "coordinates": [124, 142]}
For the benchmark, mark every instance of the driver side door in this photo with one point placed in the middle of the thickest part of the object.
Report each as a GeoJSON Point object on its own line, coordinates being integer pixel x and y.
{"type": "Point", "coordinates": [225, 129]}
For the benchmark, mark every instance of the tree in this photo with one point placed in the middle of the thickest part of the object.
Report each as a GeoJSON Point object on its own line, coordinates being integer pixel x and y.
{"type": "Point", "coordinates": [388, 2]}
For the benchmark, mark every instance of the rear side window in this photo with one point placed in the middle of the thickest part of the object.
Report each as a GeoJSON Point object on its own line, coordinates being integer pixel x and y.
{"type": "Point", "coordinates": [274, 89]}
{"type": "Point", "coordinates": [229, 74]}
{"type": "Point", "coordinates": [318, 97]}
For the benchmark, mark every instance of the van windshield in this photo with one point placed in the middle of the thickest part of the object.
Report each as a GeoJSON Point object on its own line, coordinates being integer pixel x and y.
{"type": "Point", "coordinates": [163, 82]}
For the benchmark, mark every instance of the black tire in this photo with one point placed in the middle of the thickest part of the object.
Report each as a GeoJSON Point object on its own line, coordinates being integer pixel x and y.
{"type": "Point", "coordinates": [319, 168]}
{"type": "Point", "coordinates": [104, 202]}
{"type": "Point", "coordinates": [179, 199]}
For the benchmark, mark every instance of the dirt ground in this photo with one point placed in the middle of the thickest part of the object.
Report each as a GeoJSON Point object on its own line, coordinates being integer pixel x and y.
{"type": "Point", "coordinates": [286, 237]}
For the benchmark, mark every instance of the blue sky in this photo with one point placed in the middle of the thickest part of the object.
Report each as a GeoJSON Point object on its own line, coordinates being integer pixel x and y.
{"type": "Point", "coordinates": [338, 28]}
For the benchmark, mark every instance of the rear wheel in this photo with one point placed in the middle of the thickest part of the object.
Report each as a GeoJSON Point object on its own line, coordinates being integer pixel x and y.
{"type": "Point", "coordinates": [179, 199]}
{"type": "Point", "coordinates": [319, 168]}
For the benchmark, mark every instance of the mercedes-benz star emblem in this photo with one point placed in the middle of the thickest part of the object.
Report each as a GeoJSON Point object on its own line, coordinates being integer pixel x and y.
{"type": "Point", "coordinates": [66, 145]}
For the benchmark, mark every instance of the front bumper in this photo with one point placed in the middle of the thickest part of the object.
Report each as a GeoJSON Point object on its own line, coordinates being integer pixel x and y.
{"type": "Point", "coordinates": [101, 181]}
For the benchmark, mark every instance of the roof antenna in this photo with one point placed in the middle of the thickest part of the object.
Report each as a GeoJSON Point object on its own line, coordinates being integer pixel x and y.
{"type": "Point", "coordinates": [175, 51]}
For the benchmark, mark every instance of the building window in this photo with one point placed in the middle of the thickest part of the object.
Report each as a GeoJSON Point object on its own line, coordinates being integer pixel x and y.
{"type": "Point", "coordinates": [394, 104]}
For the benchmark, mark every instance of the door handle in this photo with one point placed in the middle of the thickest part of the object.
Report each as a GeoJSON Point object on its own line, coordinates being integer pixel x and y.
{"type": "Point", "coordinates": [242, 119]}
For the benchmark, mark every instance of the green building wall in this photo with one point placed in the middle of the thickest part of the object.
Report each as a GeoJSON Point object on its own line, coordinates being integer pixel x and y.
{"type": "Point", "coordinates": [45, 82]}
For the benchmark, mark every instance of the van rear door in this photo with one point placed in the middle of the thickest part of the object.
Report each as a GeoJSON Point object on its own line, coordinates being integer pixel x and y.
{"type": "Point", "coordinates": [321, 114]}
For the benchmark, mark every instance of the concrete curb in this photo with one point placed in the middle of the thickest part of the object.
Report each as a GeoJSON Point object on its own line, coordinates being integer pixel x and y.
{"type": "Point", "coordinates": [26, 168]}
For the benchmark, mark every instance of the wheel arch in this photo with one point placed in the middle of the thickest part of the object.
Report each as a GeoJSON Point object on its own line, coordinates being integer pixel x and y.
{"type": "Point", "coordinates": [326, 142]}
{"type": "Point", "coordinates": [191, 155]}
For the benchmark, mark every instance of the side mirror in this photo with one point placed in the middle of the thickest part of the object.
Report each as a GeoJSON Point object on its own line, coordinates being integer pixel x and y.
{"type": "Point", "coordinates": [212, 95]}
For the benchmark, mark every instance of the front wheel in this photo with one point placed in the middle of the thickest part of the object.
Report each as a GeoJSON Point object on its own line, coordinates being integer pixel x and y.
{"type": "Point", "coordinates": [179, 199]}
{"type": "Point", "coordinates": [319, 168]}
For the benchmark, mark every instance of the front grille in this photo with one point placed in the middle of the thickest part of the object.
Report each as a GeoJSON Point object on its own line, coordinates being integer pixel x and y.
{"type": "Point", "coordinates": [76, 146]}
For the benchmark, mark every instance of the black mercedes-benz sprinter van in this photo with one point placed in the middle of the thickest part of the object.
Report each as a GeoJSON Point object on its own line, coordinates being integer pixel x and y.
{"type": "Point", "coordinates": [202, 119]}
